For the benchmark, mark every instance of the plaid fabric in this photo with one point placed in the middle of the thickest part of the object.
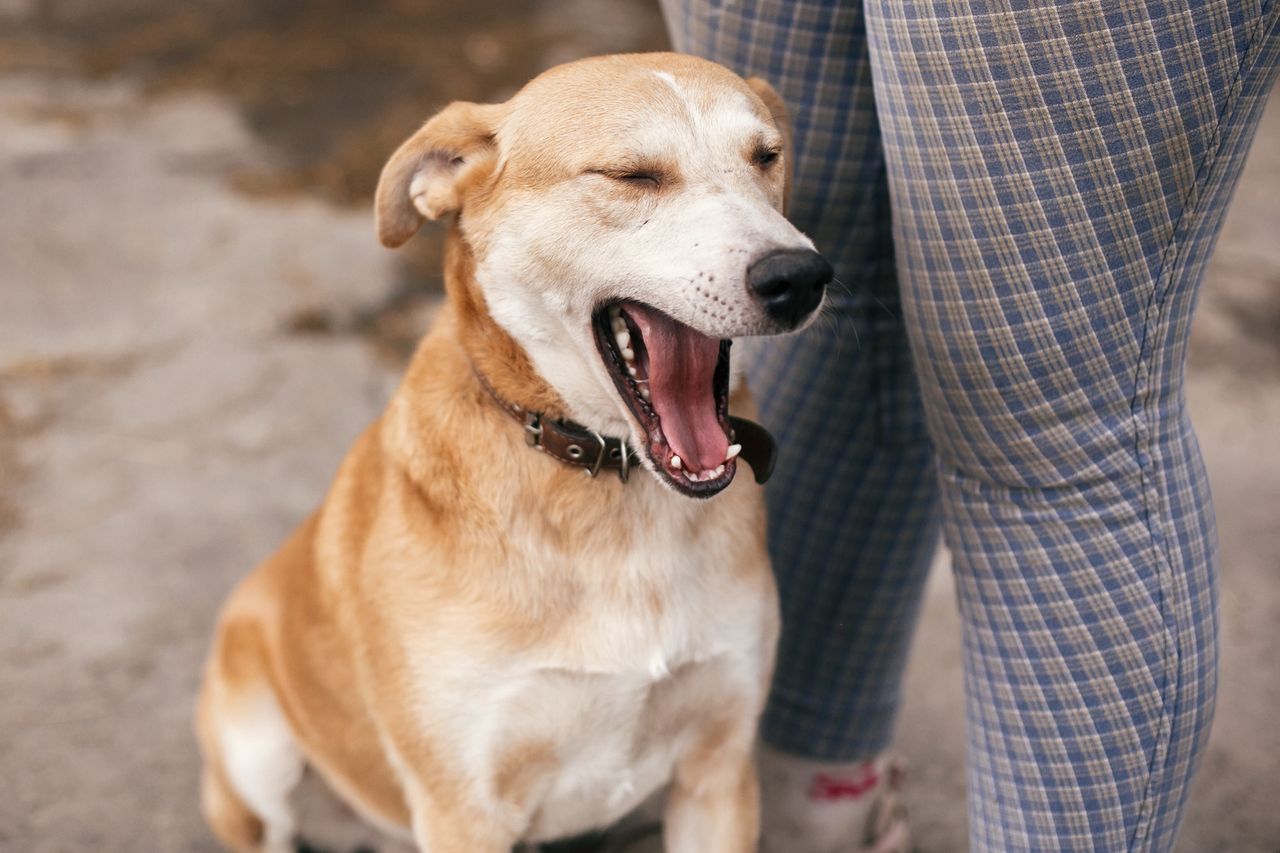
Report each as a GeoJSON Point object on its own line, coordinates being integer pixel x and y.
{"type": "Point", "coordinates": [1059, 172]}
{"type": "Point", "coordinates": [852, 520]}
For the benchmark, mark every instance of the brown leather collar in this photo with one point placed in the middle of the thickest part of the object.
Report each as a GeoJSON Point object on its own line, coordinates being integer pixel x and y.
{"type": "Point", "coordinates": [570, 442]}
{"type": "Point", "coordinates": [575, 444]}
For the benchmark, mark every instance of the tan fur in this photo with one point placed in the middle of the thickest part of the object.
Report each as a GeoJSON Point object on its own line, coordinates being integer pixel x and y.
{"type": "Point", "coordinates": [521, 767]}
{"type": "Point", "coordinates": [433, 631]}
{"type": "Point", "coordinates": [448, 145]}
{"type": "Point", "coordinates": [230, 819]}
{"type": "Point", "coordinates": [778, 110]}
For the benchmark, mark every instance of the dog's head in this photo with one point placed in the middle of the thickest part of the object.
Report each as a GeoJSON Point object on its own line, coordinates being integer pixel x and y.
{"type": "Point", "coordinates": [625, 214]}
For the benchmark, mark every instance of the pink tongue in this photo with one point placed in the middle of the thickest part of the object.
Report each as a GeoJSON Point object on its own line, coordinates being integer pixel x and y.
{"type": "Point", "coordinates": [682, 366]}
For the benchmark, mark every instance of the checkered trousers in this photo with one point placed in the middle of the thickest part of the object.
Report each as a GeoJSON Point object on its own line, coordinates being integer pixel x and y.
{"type": "Point", "coordinates": [1058, 173]}
{"type": "Point", "coordinates": [852, 503]}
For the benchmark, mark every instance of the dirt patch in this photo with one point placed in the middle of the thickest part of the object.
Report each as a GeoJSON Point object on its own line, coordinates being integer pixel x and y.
{"type": "Point", "coordinates": [393, 326]}
{"type": "Point", "coordinates": [332, 85]}
{"type": "Point", "coordinates": [11, 472]}
{"type": "Point", "coordinates": [67, 366]}
{"type": "Point", "coordinates": [17, 424]}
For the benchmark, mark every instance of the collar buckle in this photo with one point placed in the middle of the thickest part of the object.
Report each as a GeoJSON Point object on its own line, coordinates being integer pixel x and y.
{"type": "Point", "coordinates": [565, 440]}
{"type": "Point", "coordinates": [624, 460]}
{"type": "Point", "coordinates": [533, 429]}
{"type": "Point", "coordinates": [600, 454]}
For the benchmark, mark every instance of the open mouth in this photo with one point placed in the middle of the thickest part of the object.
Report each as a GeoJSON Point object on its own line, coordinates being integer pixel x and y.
{"type": "Point", "coordinates": [675, 381]}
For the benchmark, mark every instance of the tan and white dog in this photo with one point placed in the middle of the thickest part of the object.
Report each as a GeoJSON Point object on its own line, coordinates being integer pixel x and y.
{"type": "Point", "coordinates": [470, 641]}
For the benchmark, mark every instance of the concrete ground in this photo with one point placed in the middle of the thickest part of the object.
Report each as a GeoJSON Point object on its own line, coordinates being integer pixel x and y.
{"type": "Point", "coordinates": [195, 321]}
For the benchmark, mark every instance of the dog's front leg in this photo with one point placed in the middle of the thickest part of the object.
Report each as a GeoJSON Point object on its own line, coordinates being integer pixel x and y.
{"type": "Point", "coordinates": [440, 827]}
{"type": "Point", "coordinates": [714, 803]}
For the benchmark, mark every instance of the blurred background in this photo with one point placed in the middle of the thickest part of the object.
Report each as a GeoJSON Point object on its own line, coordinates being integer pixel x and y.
{"type": "Point", "coordinates": [196, 320]}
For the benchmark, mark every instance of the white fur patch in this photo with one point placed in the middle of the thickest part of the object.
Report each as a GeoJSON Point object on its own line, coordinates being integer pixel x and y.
{"type": "Point", "coordinates": [262, 763]}
{"type": "Point", "coordinates": [670, 79]}
{"type": "Point", "coordinates": [621, 688]}
{"type": "Point", "coordinates": [554, 253]}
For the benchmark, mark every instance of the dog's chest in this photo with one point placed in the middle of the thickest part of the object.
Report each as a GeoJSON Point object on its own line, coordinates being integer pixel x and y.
{"type": "Point", "coordinates": [568, 727]}
{"type": "Point", "coordinates": [614, 739]}
{"type": "Point", "coordinates": [591, 723]}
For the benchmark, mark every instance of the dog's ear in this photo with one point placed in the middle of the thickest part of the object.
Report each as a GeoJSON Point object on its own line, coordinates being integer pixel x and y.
{"type": "Point", "coordinates": [777, 109]}
{"type": "Point", "coordinates": [422, 179]}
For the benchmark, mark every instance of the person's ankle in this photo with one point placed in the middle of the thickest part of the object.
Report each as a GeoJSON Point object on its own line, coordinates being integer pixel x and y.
{"type": "Point", "coordinates": [814, 806]}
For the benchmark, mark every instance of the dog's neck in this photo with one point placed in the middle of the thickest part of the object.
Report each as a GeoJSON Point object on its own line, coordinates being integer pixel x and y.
{"type": "Point", "coordinates": [493, 353]}
{"type": "Point", "coordinates": [448, 436]}
{"type": "Point", "coordinates": [468, 363]}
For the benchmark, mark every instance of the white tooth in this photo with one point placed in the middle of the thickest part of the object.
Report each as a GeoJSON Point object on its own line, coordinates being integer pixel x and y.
{"type": "Point", "coordinates": [644, 392]}
{"type": "Point", "coordinates": [734, 450]}
{"type": "Point", "coordinates": [628, 353]}
{"type": "Point", "coordinates": [631, 370]}
{"type": "Point", "coordinates": [675, 462]}
{"type": "Point", "coordinates": [623, 338]}
{"type": "Point", "coordinates": [618, 325]}
{"type": "Point", "coordinates": [719, 470]}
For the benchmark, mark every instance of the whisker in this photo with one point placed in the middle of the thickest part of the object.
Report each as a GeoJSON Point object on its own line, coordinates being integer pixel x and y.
{"type": "Point", "coordinates": [828, 313]}
{"type": "Point", "coordinates": [869, 293]}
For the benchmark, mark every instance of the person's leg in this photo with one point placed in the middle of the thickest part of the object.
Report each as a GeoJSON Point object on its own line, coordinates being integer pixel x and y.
{"type": "Point", "coordinates": [1059, 173]}
{"type": "Point", "coordinates": [852, 522]}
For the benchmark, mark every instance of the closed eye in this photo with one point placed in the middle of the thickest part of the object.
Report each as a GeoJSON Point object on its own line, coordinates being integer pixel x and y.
{"type": "Point", "coordinates": [764, 157]}
{"type": "Point", "coordinates": [641, 179]}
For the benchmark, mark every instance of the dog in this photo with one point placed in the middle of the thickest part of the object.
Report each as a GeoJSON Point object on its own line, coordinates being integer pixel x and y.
{"type": "Point", "coordinates": [535, 593]}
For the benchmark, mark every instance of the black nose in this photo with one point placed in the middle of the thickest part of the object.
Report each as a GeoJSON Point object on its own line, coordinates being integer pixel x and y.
{"type": "Point", "coordinates": [790, 283]}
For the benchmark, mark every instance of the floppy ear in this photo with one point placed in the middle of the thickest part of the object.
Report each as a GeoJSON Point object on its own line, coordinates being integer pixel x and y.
{"type": "Point", "coordinates": [421, 180]}
{"type": "Point", "coordinates": [777, 109]}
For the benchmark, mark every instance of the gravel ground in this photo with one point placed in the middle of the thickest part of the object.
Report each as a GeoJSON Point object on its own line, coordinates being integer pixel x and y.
{"type": "Point", "coordinates": [195, 321]}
